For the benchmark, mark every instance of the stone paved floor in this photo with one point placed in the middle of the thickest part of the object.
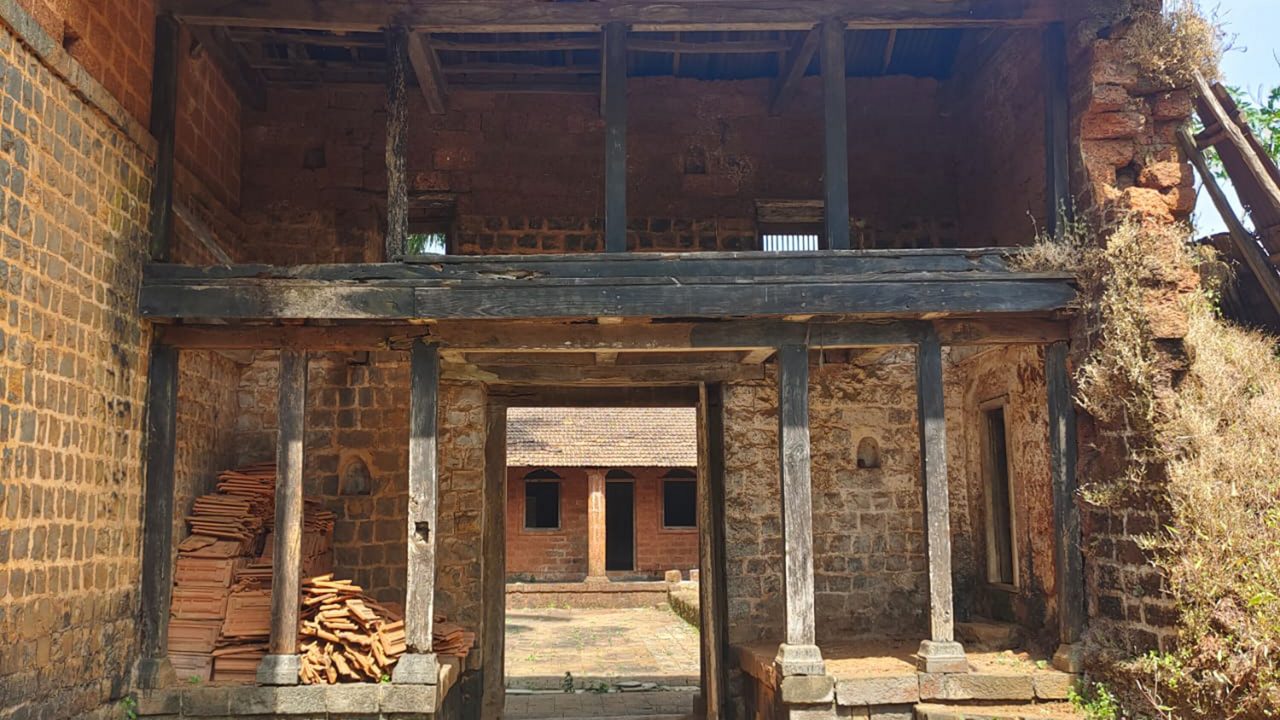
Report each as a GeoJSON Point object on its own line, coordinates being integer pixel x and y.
{"type": "Point", "coordinates": [663, 705]}
{"type": "Point", "coordinates": [599, 646]}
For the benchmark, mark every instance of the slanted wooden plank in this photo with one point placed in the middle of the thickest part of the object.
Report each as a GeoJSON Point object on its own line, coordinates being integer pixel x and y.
{"type": "Point", "coordinates": [397, 241]}
{"type": "Point", "coordinates": [1243, 162]}
{"type": "Point", "coordinates": [933, 471]}
{"type": "Point", "coordinates": [713, 604]}
{"type": "Point", "coordinates": [1057, 131]}
{"type": "Point", "coordinates": [493, 553]}
{"type": "Point", "coordinates": [1246, 244]}
{"type": "Point", "coordinates": [426, 67]}
{"type": "Point", "coordinates": [793, 70]}
{"type": "Point", "coordinates": [286, 567]}
{"type": "Point", "coordinates": [164, 127]}
{"type": "Point", "coordinates": [533, 16]}
{"type": "Point", "coordinates": [797, 501]}
{"type": "Point", "coordinates": [158, 509]}
{"type": "Point", "coordinates": [614, 101]}
{"type": "Point", "coordinates": [835, 184]}
{"type": "Point", "coordinates": [420, 579]}
{"type": "Point", "coordinates": [1066, 514]}
{"type": "Point", "coordinates": [249, 83]}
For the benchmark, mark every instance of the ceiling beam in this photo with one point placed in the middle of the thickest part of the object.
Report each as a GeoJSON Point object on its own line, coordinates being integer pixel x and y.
{"type": "Point", "coordinates": [642, 15]}
{"type": "Point", "coordinates": [793, 71]}
{"type": "Point", "coordinates": [426, 67]}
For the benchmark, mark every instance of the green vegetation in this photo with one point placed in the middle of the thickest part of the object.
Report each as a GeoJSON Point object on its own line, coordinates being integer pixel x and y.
{"type": "Point", "coordinates": [1095, 702]}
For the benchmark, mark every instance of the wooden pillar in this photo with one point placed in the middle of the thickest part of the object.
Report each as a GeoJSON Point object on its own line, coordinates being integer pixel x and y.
{"type": "Point", "coordinates": [1057, 130]}
{"type": "Point", "coordinates": [280, 666]}
{"type": "Point", "coordinates": [614, 90]}
{"type": "Point", "coordinates": [941, 653]}
{"type": "Point", "coordinates": [712, 602]}
{"type": "Point", "coordinates": [164, 126]}
{"type": "Point", "coordinates": [419, 666]}
{"type": "Point", "coordinates": [799, 654]}
{"type": "Point", "coordinates": [153, 669]}
{"type": "Point", "coordinates": [397, 240]}
{"type": "Point", "coordinates": [494, 564]}
{"type": "Point", "coordinates": [596, 569]}
{"type": "Point", "coordinates": [836, 132]}
{"type": "Point", "coordinates": [1066, 514]}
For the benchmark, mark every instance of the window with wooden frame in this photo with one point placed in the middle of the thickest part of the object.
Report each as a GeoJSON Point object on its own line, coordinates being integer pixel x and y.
{"type": "Point", "coordinates": [998, 490]}
{"type": "Point", "coordinates": [432, 223]}
{"type": "Point", "coordinates": [790, 225]}
{"type": "Point", "coordinates": [542, 500]}
{"type": "Point", "coordinates": [679, 500]}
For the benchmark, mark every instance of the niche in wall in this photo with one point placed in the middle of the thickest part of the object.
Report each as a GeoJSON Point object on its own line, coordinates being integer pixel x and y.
{"type": "Point", "coordinates": [868, 453]}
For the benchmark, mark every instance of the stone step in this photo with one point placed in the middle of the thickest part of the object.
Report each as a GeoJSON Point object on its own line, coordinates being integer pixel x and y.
{"type": "Point", "coordinates": [1028, 711]}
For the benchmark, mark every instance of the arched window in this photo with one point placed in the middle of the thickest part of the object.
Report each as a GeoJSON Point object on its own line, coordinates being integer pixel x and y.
{"type": "Point", "coordinates": [542, 500]}
{"type": "Point", "coordinates": [868, 453]}
{"type": "Point", "coordinates": [619, 475]}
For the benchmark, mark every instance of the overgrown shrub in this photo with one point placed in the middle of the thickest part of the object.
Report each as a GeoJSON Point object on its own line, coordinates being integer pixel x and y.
{"type": "Point", "coordinates": [1170, 47]}
{"type": "Point", "coordinates": [1207, 447]}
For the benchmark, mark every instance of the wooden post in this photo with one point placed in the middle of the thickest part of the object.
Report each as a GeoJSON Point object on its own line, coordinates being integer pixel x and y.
{"type": "Point", "coordinates": [799, 654]}
{"type": "Point", "coordinates": [596, 570]}
{"type": "Point", "coordinates": [941, 653]}
{"type": "Point", "coordinates": [164, 126]}
{"type": "Point", "coordinates": [614, 89]}
{"type": "Point", "coordinates": [280, 666]}
{"type": "Point", "coordinates": [836, 132]}
{"type": "Point", "coordinates": [154, 670]}
{"type": "Point", "coordinates": [397, 242]}
{"type": "Point", "coordinates": [1066, 514]}
{"type": "Point", "coordinates": [494, 564]}
{"type": "Point", "coordinates": [712, 602]}
{"type": "Point", "coordinates": [1057, 131]}
{"type": "Point", "coordinates": [419, 666]}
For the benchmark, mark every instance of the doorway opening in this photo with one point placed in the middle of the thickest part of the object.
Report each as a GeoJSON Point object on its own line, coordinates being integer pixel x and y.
{"type": "Point", "coordinates": [602, 561]}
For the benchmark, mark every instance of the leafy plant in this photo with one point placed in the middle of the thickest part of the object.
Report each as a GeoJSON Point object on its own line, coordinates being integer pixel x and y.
{"type": "Point", "coordinates": [1096, 702]}
{"type": "Point", "coordinates": [129, 707]}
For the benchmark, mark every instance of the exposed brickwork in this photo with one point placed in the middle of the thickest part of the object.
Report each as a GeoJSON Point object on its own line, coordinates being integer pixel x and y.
{"type": "Point", "coordinates": [208, 139]}
{"type": "Point", "coordinates": [72, 389]}
{"type": "Point", "coordinates": [527, 170]}
{"type": "Point", "coordinates": [561, 554]}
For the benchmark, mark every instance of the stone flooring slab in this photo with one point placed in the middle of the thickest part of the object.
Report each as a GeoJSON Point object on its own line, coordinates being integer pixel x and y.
{"type": "Point", "coordinates": [599, 648]}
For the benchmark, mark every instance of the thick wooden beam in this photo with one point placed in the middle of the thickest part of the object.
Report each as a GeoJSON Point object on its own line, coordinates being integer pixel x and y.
{"type": "Point", "coordinates": [1246, 244]}
{"type": "Point", "coordinates": [154, 669]}
{"type": "Point", "coordinates": [249, 83]}
{"type": "Point", "coordinates": [793, 70]}
{"type": "Point", "coordinates": [940, 653]}
{"type": "Point", "coordinates": [713, 605]}
{"type": "Point", "coordinates": [1057, 134]}
{"type": "Point", "coordinates": [614, 101]}
{"type": "Point", "coordinates": [397, 241]}
{"type": "Point", "coordinates": [331, 338]}
{"type": "Point", "coordinates": [835, 183]}
{"type": "Point", "coordinates": [493, 553]}
{"type": "Point", "coordinates": [799, 654]}
{"type": "Point", "coordinates": [164, 127]}
{"type": "Point", "coordinates": [710, 47]}
{"type": "Point", "coordinates": [426, 67]}
{"type": "Point", "coordinates": [1066, 514]}
{"type": "Point", "coordinates": [1251, 165]}
{"type": "Point", "coordinates": [280, 666]}
{"type": "Point", "coordinates": [616, 396]}
{"type": "Point", "coordinates": [419, 665]}
{"type": "Point", "coordinates": [635, 374]}
{"type": "Point", "coordinates": [500, 16]}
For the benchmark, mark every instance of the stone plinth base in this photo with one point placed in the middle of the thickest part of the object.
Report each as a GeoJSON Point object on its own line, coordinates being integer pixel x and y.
{"type": "Point", "coordinates": [799, 660]}
{"type": "Point", "coordinates": [942, 657]}
{"type": "Point", "coordinates": [279, 670]}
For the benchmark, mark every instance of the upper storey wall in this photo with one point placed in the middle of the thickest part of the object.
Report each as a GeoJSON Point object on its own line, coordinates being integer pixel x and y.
{"type": "Point", "coordinates": [527, 170]}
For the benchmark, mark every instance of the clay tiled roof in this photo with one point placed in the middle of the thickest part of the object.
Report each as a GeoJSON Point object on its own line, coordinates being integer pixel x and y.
{"type": "Point", "coordinates": [602, 437]}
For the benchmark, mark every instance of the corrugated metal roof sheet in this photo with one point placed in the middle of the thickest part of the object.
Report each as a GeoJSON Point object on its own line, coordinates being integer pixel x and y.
{"type": "Point", "coordinates": [602, 437]}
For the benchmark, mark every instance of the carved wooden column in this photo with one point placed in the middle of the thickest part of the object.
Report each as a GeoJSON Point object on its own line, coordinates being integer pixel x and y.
{"type": "Point", "coordinates": [419, 666]}
{"type": "Point", "coordinates": [799, 654]}
{"type": "Point", "coordinates": [1066, 514]}
{"type": "Point", "coordinates": [280, 666]}
{"type": "Point", "coordinates": [941, 653]}
{"type": "Point", "coordinates": [596, 569]}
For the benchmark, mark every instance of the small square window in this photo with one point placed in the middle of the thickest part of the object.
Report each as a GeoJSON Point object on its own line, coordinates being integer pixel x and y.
{"type": "Point", "coordinates": [786, 226]}
{"type": "Point", "coordinates": [680, 503]}
{"type": "Point", "coordinates": [542, 504]}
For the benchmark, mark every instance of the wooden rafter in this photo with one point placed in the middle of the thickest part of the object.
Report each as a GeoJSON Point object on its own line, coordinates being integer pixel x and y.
{"type": "Point", "coordinates": [794, 68]}
{"type": "Point", "coordinates": [426, 67]}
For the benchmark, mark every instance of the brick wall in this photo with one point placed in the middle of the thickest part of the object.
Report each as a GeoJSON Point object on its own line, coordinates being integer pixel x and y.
{"type": "Point", "coordinates": [72, 389]}
{"type": "Point", "coordinates": [527, 170]}
{"type": "Point", "coordinates": [561, 554]}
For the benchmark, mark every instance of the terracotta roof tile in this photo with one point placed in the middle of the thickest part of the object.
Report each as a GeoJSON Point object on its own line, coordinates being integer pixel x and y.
{"type": "Point", "coordinates": [602, 437]}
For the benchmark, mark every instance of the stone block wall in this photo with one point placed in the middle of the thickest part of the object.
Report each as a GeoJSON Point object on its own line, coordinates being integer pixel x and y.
{"type": "Point", "coordinates": [74, 193]}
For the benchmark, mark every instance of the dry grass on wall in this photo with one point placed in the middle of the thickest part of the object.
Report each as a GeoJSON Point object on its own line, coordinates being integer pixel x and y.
{"type": "Point", "coordinates": [1170, 47]}
{"type": "Point", "coordinates": [1205, 447]}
